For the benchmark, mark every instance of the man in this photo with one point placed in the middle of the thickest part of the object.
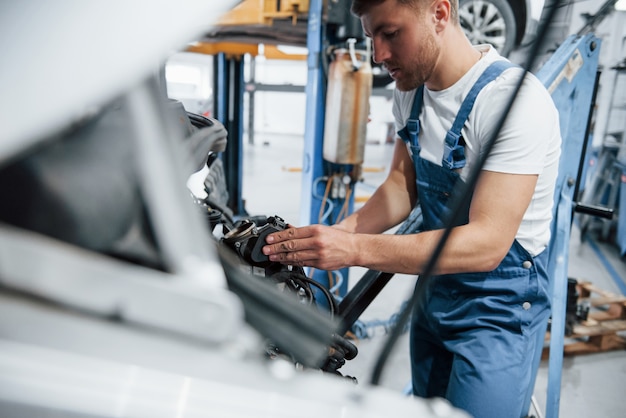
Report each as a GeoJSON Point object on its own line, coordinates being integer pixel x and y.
{"type": "Point", "coordinates": [476, 332]}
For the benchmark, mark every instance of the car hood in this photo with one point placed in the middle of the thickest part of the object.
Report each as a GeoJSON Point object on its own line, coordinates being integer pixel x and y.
{"type": "Point", "coordinates": [63, 59]}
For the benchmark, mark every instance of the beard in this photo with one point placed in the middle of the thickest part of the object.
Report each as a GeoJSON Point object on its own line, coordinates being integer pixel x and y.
{"type": "Point", "coordinates": [418, 67]}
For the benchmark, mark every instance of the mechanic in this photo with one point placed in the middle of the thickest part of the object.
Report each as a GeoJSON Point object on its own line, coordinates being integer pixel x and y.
{"type": "Point", "coordinates": [477, 332]}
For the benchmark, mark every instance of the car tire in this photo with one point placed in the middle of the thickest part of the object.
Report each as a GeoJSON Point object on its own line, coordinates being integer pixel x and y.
{"type": "Point", "coordinates": [489, 22]}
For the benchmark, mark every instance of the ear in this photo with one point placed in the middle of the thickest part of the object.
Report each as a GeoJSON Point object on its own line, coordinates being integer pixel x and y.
{"type": "Point", "coordinates": [441, 15]}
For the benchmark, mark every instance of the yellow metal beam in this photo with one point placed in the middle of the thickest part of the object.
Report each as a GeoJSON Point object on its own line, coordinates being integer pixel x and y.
{"type": "Point", "coordinates": [240, 48]}
{"type": "Point", "coordinates": [274, 52]}
{"type": "Point", "coordinates": [248, 12]}
{"type": "Point", "coordinates": [263, 12]}
{"type": "Point", "coordinates": [228, 48]}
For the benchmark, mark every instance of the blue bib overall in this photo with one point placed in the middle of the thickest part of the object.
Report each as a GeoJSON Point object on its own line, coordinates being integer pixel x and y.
{"type": "Point", "coordinates": [476, 338]}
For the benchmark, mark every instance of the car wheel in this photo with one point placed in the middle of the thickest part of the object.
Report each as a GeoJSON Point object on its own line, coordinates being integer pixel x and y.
{"type": "Point", "coordinates": [489, 22]}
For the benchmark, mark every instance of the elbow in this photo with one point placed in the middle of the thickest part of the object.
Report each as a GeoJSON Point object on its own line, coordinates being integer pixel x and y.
{"type": "Point", "coordinates": [477, 262]}
{"type": "Point", "coordinates": [489, 265]}
{"type": "Point", "coordinates": [491, 260]}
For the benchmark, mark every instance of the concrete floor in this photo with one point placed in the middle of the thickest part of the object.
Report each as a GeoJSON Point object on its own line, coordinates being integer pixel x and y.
{"type": "Point", "coordinates": [592, 385]}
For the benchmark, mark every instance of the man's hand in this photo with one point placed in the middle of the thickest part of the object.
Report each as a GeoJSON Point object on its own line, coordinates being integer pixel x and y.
{"type": "Point", "coordinates": [319, 246]}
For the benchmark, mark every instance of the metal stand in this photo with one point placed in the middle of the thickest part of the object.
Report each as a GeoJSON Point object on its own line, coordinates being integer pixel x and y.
{"type": "Point", "coordinates": [229, 91]}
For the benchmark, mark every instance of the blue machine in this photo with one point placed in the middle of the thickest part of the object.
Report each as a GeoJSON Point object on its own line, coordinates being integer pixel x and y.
{"type": "Point", "coordinates": [229, 92]}
{"type": "Point", "coordinates": [571, 79]}
{"type": "Point", "coordinates": [314, 167]}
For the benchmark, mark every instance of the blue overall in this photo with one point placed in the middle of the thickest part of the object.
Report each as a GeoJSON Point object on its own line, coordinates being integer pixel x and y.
{"type": "Point", "coordinates": [476, 338]}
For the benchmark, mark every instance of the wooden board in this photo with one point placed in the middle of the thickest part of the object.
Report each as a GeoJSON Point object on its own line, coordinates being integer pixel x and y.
{"type": "Point", "coordinates": [605, 326]}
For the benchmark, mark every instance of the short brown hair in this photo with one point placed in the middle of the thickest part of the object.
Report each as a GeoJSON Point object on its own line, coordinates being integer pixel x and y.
{"type": "Point", "coordinates": [360, 7]}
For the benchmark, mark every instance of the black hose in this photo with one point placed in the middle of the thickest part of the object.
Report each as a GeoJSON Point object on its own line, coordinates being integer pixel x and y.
{"type": "Point", "coordinates": [332, 303]}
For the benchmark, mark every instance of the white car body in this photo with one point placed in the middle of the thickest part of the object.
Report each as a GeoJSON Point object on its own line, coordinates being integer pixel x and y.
{"type": "Point", "coordinates": [84, 333]}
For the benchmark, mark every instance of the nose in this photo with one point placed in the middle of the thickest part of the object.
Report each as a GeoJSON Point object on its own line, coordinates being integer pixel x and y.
{"type": "Point", "coordinates": [379, 52]}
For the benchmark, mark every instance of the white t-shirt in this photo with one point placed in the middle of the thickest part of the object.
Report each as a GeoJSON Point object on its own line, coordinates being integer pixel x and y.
{"type": "Point", "coordinates": [528, 143]}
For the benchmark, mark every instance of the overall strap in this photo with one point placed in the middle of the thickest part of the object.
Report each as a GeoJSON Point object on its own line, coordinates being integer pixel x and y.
{"type": "Point", "coordinates": [454, 151]}
{"type": "Point", "coordinates": [410, 133]}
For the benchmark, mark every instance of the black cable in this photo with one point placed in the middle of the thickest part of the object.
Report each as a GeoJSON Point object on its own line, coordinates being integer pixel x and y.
{"type": "Point", "coordinates": [303, 286]}
{"type": "Point", "coordinates": [297, 329]}
{"type": "Point", "coordinates": [465, 193]}
{"type": "Point", "coordinates": [294, 283]}
{"type": "Point", "coordinates": [593, 21]}
{"type": "Point", "coordinates": [581, 162]}
{"type": "Point", "coordinates": [225, 211]}
{"type": "Point", "coordinates": [301, 281]}
{"type": "Point", "coordinates": [332, 303]}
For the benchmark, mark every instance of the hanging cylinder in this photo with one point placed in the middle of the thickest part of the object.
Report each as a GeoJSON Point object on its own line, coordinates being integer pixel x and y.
{"type": "Point", "coordinates": [347, 106]}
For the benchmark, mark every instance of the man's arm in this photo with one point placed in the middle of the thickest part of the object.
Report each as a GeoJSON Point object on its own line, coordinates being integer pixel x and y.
{"type": "Point", "coordinates": [392, 201]}
{"type": "Point", "coordinates": [498, 205]}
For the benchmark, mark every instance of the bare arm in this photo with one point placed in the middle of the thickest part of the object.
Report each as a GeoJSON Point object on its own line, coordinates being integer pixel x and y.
{"type": "Point", "coordinates": [496, 212]}
{"type": "Point", "coordinates": [392, 201]}
{"type": "Point", "coordinates": [498, 205]}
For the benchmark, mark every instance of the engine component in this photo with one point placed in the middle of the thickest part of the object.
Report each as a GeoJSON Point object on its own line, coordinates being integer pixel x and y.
{"type": "Point", "coordinates": [247, 238]}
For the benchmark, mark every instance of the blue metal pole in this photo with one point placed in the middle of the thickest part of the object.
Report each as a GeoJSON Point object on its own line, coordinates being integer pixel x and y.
{"type": "Point", "coordinates": [569, 77]}
{"type": "Point", "coordinates": [220, 92]}
{"type": "Point", "coordinates": [234, 158]}
{"type": "Point", "coordinates": [312, 164]}
{"type": "Point", "coordinates": [559, 302]}
{"type": "Point", "coordinates": [228, 109]}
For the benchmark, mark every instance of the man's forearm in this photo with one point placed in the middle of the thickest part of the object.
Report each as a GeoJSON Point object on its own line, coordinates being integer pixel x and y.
{"type": "Point", "coordinates": [384, 210]}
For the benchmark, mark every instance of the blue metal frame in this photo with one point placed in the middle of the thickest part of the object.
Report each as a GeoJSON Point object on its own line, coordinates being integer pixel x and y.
{"type": "Point", "coordinates": [313, 165]}
{"type": "Point", "coordinates": [228, 108]}
{"type": "Point", "coordinates": [621, 218]}
{"type": "Point", "coordinates": [220, 87]}
{"type": "Point", "coordinates": [570, 77]}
